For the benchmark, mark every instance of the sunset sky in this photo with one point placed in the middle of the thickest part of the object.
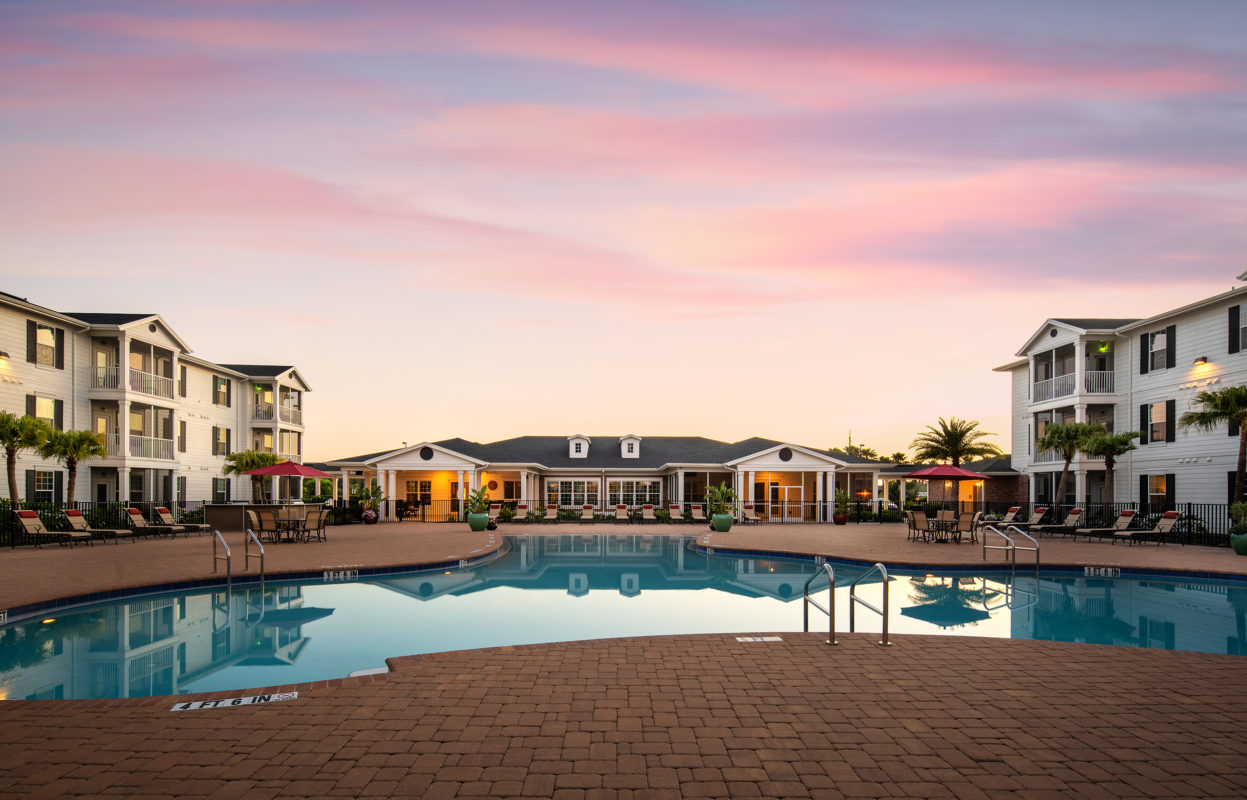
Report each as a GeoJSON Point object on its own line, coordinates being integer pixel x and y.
{"type": "Point", "coordinates": [718, 218]}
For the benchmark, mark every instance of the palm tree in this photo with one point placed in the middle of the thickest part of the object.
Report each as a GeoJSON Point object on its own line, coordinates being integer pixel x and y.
{"type": "Point", "coordinates": [1109, 446]}
{"type": "Point", "coordinates": [1067, 440]}
{"type": "Point", "coordinates": [896, 458]}
{"type": "Point", "coordinates": [72, 447]}
{"type": "Point", "coordinates": [953, 441]}
{"type": "Point", "coordinates": [1227, 406]}
{"type": "Point", "coordinates": [243, 461]}
{"type": "Point", "coordinates": [18, 434]}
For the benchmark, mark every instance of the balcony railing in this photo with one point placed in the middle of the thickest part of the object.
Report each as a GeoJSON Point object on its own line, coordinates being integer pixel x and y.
{"type": "Point", "coordinates": [291, 457]}
{"type": "Point", "coordinates": [112, 441]}
{"type": "Point", "coordinates": [151, 447]}
{"type": "Point", "coordinates": [148, 383]}
{"type": "Point", "coordinates": [1050, 456]}
{"type": "Point", "coordinates": [262, 411]}
{"type": "Point", "coordinates": [106, 378]}
{"type": "Point", "coordinates": [1060, 386]}
{"type": "Point", "coordinates": [1099, 382]}
{"type": "Point", "coordinates": [292, 415]}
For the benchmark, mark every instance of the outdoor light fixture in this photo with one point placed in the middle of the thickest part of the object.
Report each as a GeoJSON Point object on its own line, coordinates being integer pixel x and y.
{"type": "Point", "coordinates": [948, 484]}
{"type": "Point", "coordinates": [4, 356]}
{"type": "Point", "coordinates": [1198, 361]}
{"type": "Point", "coordinates": [879, 482]}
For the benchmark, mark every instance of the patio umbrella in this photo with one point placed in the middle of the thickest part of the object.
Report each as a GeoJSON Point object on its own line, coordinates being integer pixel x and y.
{"type": "Point", "coordinates": [289, 469]}
{"type": "Point", "coordinates": [946, 472]}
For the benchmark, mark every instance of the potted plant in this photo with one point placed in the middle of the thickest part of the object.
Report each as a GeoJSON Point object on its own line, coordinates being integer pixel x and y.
{"type": "Point", "coordinates": [841, 514]}
{"type": "Point", "coordinates": [719, 500]}
{"type": "Point", "coordinates": [370, 499]}
{"type": "Point", "coordinates": [478, 509]}
{"type": "Point", "coordinates": [1238, 531]}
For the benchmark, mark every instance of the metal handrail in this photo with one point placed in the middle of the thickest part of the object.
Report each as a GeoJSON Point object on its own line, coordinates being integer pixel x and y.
{"type": "Point", "coordinates": [229, 578]}
{"type": "Point", "coordinates": [830, 611]}
{"type": "Point", "coordinates": [1012, 547]}
{"type": "Point", "coordinates": [853, 598]}
{"type": "Point", "coordinates": [248, 555]}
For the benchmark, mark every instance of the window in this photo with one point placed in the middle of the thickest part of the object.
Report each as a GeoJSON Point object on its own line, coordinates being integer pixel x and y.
{"type": "Point", "coordinates": [420, 492]}
{"type": "Point", "coordinates": [220, 490]}
{"type": "Point", "coordinates": [221, 390]}
{"type": "Point", "coordinates": [1156, 427]}
{"type": "Point", "coordinates": [220, 441]}
{"type": "Point", "coordinates": [572, 493]}
{"type": "Point", "coordinates": [45, 487]}
{"type": "Point", "coordinates": [1156, 486]}
{"type": "Point", "coordinates": [510, 490]}
{"type": "Point", "coordinates": [578, 446]}
{"type": "Point", "coordinates": [1157, 350]}
{"type": "Point", "coordinates": [634, 493]}
{"type": "Point", "coordinates": [1158, 421]}
{"type": "Point", "coordinates": [45, 345]}
{"type": "Point", "coordinates": [631, 447]}
{"type": "Point", "coordinates": [45, 409]}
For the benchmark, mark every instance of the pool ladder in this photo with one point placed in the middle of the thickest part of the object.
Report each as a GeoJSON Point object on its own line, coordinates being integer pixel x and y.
{"type": "Point", "coordinates": [218, 539]}
{"type": "Point", "coordinates": [830, 611]}
{"type": "Point", "coordinates": [1011, 548]}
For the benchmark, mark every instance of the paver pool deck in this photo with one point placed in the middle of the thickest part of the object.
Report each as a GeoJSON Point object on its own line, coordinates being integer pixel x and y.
{"type": "Point", "coordinates": [657, 717]}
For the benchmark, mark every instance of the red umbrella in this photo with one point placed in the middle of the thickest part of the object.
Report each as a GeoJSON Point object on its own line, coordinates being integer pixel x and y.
{"type": "Point", "coordinates": [289, 469]}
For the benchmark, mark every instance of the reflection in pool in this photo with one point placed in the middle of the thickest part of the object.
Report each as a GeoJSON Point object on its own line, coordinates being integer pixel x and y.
{"type": "Point", "coordinates": [559, 588]}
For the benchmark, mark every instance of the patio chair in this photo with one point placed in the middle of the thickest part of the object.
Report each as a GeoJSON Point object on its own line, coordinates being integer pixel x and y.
{"type": "Point", "coordinates": [1119, 529]}
{"type": "Point", "coordinates": [552, 514]}
{"type": "Point", "coordinates": [268, 523]}
{"type": "Point", "coordinates": [1008, 518]}
{"type": "Point", "coordinates": [1072, 520]}
{"type": "Point", "coordinates": [33, 527]}
{"type": "Point", "coordinates": [749, 515]}
{"type": "Point", "coordinates": [140, 525]}
{"type": "Point", "coordinates": [621, 513]}
{"type": "Point", "coordinates": [78, 524]}
{"type": "Point", "coordinates": [314, 524]}
{"type": "Point", "coordinates": [922, 526]}
{"type": "Point", "coordinates": [166, 518]}
{"type": "Point", "coordinates": [521, 512]}
{"type": "Point", "coordinates": [967, 524]}
{"type": "Point", "coordinates": [586, 513]}
{"type": "Point", "coordinates": [698, 514]}
{"type": "Point", "coordinates": [675, 512]}
{"type": "Point", "coordinates": [1034, 519]}
{"type": "Point", "coordinates": [647, 513]}
{"type": "Point", "coordinates": [1164, 526]}
{"type": "Point", "coordinates": [494, 510]}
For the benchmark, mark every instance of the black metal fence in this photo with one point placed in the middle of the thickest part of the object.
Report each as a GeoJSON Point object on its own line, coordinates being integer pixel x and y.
{"type": "Point", "coordinates": [98, 515]}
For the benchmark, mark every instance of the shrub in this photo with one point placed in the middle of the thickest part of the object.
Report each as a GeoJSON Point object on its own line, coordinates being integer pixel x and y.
{"type": "Point", "coordinates": [506, 514]}
{"type": "Point", "coordinates": [892, 515]}
{"type": "Point", "coordinates": [662, 514]}
{"type": "Point", "coordinates": [536, 514]}
{"type": "Point", "coordinates": [568, 515]}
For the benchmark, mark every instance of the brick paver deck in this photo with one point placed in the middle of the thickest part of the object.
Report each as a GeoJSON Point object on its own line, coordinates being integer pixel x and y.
{"type": "Point", "coordinates": [685, 716]}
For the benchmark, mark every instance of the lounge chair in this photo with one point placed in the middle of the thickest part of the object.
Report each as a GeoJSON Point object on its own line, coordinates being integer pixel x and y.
{"type": "Point", "coordinates": [1008, 518]}
{"type": "Point", "coordinates": [494, 510]}
{"type": "Point", "coordinates": [166, 518]}
{"type": "Point", "coordinates": [521, 512]}
{"type": "Point", "coordinates": [1119, 529]}
{"type": "Point", "coordinates": [675, 512]}
{"type": "Point", "coordinates": [698, 514]}
{"type": "Point", "coordinates": [1072, 520]}
{"type": "Point", "coordinates": [552, 514]}
{"type": "Point", "coordinates": [140, 525]}
{"type": "Point", "coordinates": [748, 515]}
{"type": "Point", "coordinates": [33, 527]}
{"type": "Point", "coordinates": [1164, 526]}
{"type": "Point", "coordinates": [1034, 519]}
{"type": "Point", "coordinates": [647, 513]}
{"type": "Point", "coordinates": [586, 513]}
{"type": "Point", "coordinates": [621, 513]}
{"type": "Point", "coordinates": [78, 524]}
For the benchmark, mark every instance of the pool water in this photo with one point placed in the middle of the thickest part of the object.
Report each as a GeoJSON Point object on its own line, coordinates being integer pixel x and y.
{"type": "Point", "coordinates": [561, 588]}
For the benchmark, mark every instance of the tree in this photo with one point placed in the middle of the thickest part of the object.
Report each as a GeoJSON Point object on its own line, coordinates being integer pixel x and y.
{"type": "Point", "coordinates": [72, 447]}
{"type": "Point", "coordinates": [860, 451]}
{"type": "Point", "coordinates": [1225, 407]}
{"type": "Point", "coordinates": [243, 461]}
{"type": "Point", "coordinates": [18, 434]}
{"type": "Point", "coordinates": [1067, 440]}
{"type": "Point", "coordinates": [1109, 446]}
{"type": "Point", "coordinates": [953, 441]}
{"type": "Point", "coordinates": [898, 457]}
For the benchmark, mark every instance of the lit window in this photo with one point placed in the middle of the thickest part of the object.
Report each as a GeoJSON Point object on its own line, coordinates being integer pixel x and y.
{"type": "Point", "coordinates": [45, 409]}
{"type": "Point", "coordinates": [1157, 342]}
{"type": "Point", "coordinates": [1156, 430]}
{"type": "Point", "coordinates": [45, 345]}
{"type": "Point", "coordinates": [220, 391]}
{"type": "Point", "coordinates": [1156, 489]}
{"type": "Point", "coordinates": [45, 487]}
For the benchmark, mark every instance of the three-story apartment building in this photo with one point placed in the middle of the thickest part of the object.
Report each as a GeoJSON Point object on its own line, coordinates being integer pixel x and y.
{"type": "Point", "coordinates": [168, 418]}
{"type": "Point", "coordinates": [1132, 374]}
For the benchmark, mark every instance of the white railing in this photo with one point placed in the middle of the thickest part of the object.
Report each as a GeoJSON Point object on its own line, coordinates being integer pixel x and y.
{"type": "Point", "coordinates": [291, 457]}
{"type": "Point", "coordinates": [1060, 386]}
{"type": "Point", "coordinates": [262, 411]}
{"type": "Point", "coordinates": [1046, 457]}
{"type": "Point", "coordinates": [291, 414]}
{"type": "Point", "coordinates": [106, 378]}
{"type": "Point", "coordinates": [148, 383]}
{"type": "Point", "coordinates": [112, 441]}
{"type": "Point", "coordinates": [151, 447]}
{"type": "Point", "coordinates": [1099, 382]}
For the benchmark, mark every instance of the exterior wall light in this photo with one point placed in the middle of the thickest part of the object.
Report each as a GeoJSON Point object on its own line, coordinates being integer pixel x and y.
{"type": "Point", "coordinates": [1201, 360]}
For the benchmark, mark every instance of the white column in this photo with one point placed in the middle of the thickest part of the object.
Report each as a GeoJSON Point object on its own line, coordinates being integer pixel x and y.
{"type": "Point", "coordinates": [749, 490]}
{"type": "Point", "coordinates": [276, 489]}
{"type": "Point", "coordinates": [679, 489]}
{"type": "Point", "coordinates": [459, 494]}
{"type": "Point", "coordinates": [874, 487]}
{"type": "Point", "coordinates": [1080, 412]}
{"type": "Point", "coordinates": [524, 486]}
{"type": "Point", "coordinates": [123, 427]}
{"type": "Point", "coordinates": [1080, 487]}
{"type": "Point", "coordinates": [904, 491]}
{"type": "Point", "coordinates": [123, 484]}
{"type": "Point", "coordinates": [1080, 368]}
{"type": "Point", "coordinates": [819, 477]}
{"type": "Point", "coordinates": [389, 506]}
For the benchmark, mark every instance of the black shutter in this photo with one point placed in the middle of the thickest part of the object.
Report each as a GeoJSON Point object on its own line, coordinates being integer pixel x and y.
{"type": "Point", "coordinates": [1171, 347]}
{"type": "Point", "coordinates": [1170, 480]}
{"type": "Point", "coordinates": [30, 486]}
{"type": "Point", "coordinates": [1233, 428]}
{"type": "Point", "coordinates": [60, 348]}
{"type": "Point", "coordinates": [1143, 493]}
{"type": "Point", "coordinates": [228, 437]}
{"type": "Point", "coordinates": [181, 487]}
{"type": "Point", "coordinates": [32, 341]}
{"type": "Point", "coordinates": [1229, 489]}
{"type": "Point", "coordinates": [58, 489]}
{"type": "Point", "coordinates": [182, 381]}
{"type": "Point", "coordinates": [228, 494]}
{"type": "Point", "coordinates": [1144, 423]}
{"type": "Point", "coordinates": [30, 405]}
{"type": "Point", "coordinates": [1143, 354]}
{"type": "Point", "coordinates": [181, 436]}
{"type": "Point", "coordinates": [229, 392]}
{"type": "Point", "coordinates": [58, 414]}
{"type": "Point", "coordinates": [216, 434]}
{"type": "Point", "coordinates": [1235, 330]}
{"type": "Point", "coordinates": [1171, 422]}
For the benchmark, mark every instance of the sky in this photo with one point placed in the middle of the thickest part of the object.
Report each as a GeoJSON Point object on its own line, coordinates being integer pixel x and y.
{"type": "Point", "coordinates": [721, 218]}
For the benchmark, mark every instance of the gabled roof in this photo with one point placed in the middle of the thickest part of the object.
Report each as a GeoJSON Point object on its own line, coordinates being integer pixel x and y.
{"type": "Point", "coordinates": [94, 318]}
{"type": "Point", "coordinates": [992, 466]}
{"type": "Point", "coordinates": [259, 370]}
{"type": "Point", "coordinates": [1198, 304]}
{"type": "Point", "coordinates": [209, 365]}
{"type": "Point", "coordinates": [35, 308]}
{"type": "Point", "coordinates": [1095, 323]}
{"type": "Point", "coordinates": [840, 455]}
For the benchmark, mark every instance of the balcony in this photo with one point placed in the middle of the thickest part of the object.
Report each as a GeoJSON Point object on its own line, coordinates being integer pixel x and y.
{"type": "Point", "coordinates": [292, 415]}
{"type": "Point", "coordinates": [295, 457]}
{"type": "Point", "coordinates": [1098, 382]}
{"type": "Point", "coordinates": [106, 378]}
{"type": "Point", "coordinates": [1052, 456]}
{"type": "Point", "coordinates": [263, 412]}
{"type": "Point", "coordinates": [1064, 385]}
{"type": "Point", "coordinates": [151, 447]}
{"type": "Point", "coordinates": [148, 383]}
{"type": "Point", "coordinates": [112, 442]}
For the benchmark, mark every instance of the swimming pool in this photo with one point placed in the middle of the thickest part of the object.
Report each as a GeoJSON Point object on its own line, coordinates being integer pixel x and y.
{"type": "Point", "coordinates": [560, 588]}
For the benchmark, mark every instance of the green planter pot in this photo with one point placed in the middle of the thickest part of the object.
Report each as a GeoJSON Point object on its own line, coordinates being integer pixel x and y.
{"type": "Point", "coordinates": [721, 522]}
{"type": "Point", "coordinates": [477, 522]}
{"type": "Point", "coordinates": [1239, 542]}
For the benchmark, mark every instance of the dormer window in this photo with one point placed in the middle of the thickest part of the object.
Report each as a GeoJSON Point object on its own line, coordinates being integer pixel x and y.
{"type": "Point", "coordinates": [631, 447]}
{"type": "Point", "coordinates": [578, 447]}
